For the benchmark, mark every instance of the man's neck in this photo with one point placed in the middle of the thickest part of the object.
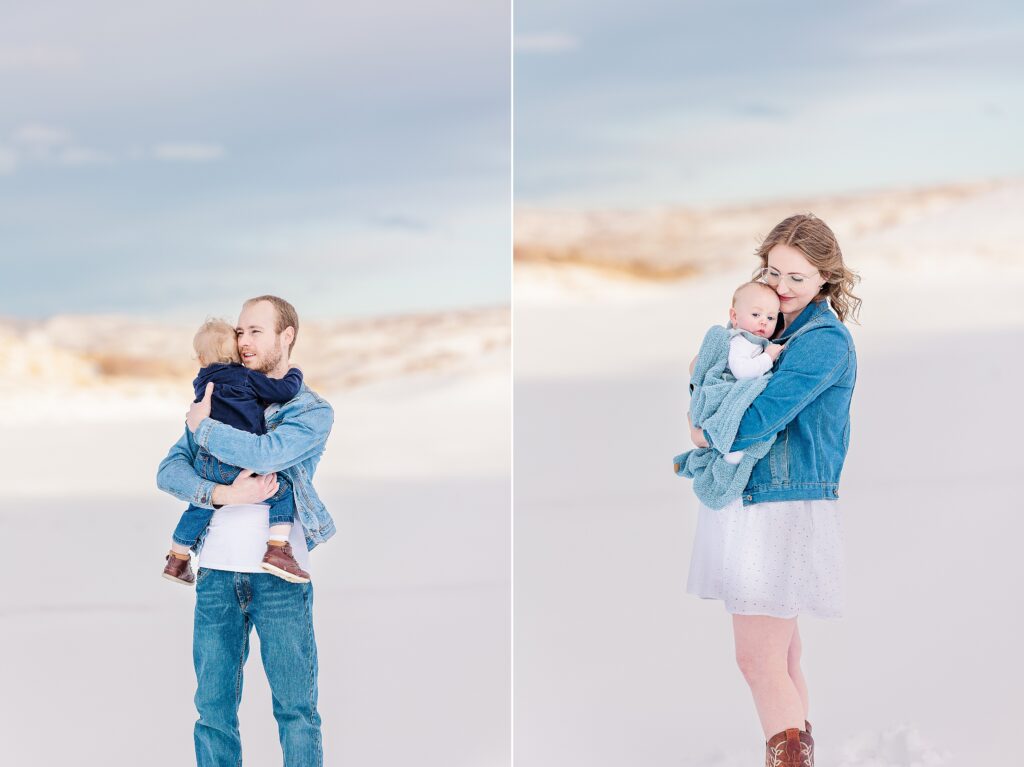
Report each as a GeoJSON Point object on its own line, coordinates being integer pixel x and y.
{"type": "Point", "coordinates": [280, 371]}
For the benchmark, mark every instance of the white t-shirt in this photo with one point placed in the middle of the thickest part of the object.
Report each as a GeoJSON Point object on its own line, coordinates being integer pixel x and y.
{"type": "Point", "coordinates": [237, 539]}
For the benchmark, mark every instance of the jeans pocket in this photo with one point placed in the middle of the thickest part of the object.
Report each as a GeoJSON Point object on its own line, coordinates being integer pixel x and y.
{"type": "Point", "coordinates": [202, 575]}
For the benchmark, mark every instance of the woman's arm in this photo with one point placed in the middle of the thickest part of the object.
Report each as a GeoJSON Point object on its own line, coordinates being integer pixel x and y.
{"type": "Point", "coordinates": [812, 363]}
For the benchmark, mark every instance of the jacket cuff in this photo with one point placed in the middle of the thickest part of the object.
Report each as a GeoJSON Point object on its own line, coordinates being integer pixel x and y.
{"type": "Point", "coordinates": [204, 494]}
{"type": "Point", "coordinates": [202, 435]}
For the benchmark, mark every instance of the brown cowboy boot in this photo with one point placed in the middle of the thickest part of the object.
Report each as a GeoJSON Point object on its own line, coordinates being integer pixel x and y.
{"type": "Point", "coordinates": [279, 561]}
{"type": "Point", "coordinates": [179, 570]}
{"type": "Point", "coordinates": [791, 748]}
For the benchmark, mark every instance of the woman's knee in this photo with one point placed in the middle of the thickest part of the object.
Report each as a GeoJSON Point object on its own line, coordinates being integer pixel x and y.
{"type": "Point", "coordinates": [756, 665]}
{"type": "Point", "coordinates": [793, 655]}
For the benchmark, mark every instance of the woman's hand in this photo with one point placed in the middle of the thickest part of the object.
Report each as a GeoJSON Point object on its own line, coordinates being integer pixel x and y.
{"type": "Point", "coordinates": [696, 433]}
{"type": "Point", "coordinates": [697, 436]}
{"type": "Point", "coordinates": [247, 488]}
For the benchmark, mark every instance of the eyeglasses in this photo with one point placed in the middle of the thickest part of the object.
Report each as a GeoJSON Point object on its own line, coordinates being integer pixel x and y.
{"type": "Point", "coordinates": [772, 277]}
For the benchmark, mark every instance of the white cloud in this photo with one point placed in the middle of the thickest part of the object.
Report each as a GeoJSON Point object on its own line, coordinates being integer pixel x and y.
{"type": "Point", "coordinates": [188, 152]}
{"type": "Point", "coordinates": [79, 155]}
{"type": "Point", "coordinates": [41, 136]}
{"type": "Point", "coordinates": [553, 42]}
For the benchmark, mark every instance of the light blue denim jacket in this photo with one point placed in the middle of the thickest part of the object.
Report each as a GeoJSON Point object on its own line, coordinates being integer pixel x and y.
{"type": "Point", "coordinates": [296, 435]}
{"type": "Point", "coordinates": [807, 404]}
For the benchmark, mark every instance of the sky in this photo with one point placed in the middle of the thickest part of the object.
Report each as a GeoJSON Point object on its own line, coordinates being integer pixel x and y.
{"type": "Point", "coordinates": [649, 102]}
{"type": "Point", "coordinates": [176, 158]}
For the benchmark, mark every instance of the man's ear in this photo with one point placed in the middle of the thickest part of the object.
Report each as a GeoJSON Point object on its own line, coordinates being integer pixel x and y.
{"type": "Point", "coordinates": [287, 336]}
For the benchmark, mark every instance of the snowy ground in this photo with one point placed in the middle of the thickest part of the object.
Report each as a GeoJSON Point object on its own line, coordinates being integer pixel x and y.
{"type": "Point", "coordinates": [412, 595]}
{"type": "Point", "coordinates": [616, 665]}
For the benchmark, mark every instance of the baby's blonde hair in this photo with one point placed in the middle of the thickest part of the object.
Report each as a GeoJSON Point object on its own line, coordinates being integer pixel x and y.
{"type": "Point", "coordinates": [215, 342]}
{"type": "Point", "coordinates": [747, 285]}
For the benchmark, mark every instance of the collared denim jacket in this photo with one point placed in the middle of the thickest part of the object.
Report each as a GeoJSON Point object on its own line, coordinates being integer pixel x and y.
{"type": "Point", "coordinates": [296, 435]}
{"type": "Point", "coordinates": [807, 404]}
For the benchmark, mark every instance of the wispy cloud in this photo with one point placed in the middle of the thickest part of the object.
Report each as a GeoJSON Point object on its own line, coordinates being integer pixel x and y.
{"type": "Point", "coordinates": [552, 42]}
{"type": "Point", "coordinates": [79, 155]}
{"type": "Point", "coordinates": [188, 152]}
{"type": "Point", "coordinates": [36, 135]}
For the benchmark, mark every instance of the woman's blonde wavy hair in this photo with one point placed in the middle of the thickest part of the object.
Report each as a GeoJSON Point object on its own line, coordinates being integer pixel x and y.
{"type": "Point", "coordinates": [812, 237]}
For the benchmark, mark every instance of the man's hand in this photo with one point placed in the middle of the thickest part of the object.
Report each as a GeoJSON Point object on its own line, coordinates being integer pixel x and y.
{"type": "Point", "coordinates": [247, 488]}
{"type": "Point", "coordinates": [199, 410]}
{"type": "Point", "coordinates": [773, 351]}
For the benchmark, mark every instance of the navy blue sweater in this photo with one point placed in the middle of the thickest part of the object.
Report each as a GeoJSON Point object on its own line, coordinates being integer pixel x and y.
{"type": "Point", "coordinates": [239, 394]}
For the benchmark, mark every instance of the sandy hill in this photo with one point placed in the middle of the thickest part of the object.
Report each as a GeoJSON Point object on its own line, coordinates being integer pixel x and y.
{"type": "Point", "coordinates": [969, 222]}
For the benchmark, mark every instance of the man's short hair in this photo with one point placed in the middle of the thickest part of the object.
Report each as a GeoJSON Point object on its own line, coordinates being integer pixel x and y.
{"type": "Point", "coordinates": [287, 317]}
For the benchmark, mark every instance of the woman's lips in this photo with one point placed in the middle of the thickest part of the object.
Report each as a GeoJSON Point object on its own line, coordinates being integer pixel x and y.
{"type": "Point", "coordinates": [785, 298]}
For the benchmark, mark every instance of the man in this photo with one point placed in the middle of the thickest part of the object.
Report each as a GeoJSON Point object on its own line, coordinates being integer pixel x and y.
{"type": "Point", "coordinates": [233, 593]}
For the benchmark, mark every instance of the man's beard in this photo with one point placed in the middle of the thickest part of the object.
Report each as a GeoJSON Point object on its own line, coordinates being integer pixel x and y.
{"type": "Point", "coordinates": [272, 360]}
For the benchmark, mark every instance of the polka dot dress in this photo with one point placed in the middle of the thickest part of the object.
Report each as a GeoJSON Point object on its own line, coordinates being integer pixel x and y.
{"type": "Point", "coordinates": [781, 558]}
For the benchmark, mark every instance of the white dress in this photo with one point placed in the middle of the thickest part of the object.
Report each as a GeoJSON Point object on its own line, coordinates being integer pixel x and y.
{"type": "Point", "coordinates": [780, 558]}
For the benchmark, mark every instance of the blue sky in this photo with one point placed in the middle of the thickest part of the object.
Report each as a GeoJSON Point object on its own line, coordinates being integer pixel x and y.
{"type": "Point", "coordinates": [174, 159]}
{"type": "Point", "coordinates": [631, 104]}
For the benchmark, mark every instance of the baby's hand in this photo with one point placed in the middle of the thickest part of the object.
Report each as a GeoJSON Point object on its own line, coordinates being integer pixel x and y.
{"type": "Point", "coordinates": [773, 351]}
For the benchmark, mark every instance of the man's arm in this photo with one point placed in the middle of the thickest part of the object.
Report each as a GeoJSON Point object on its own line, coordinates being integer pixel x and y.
{"type": "Point", "coordinates": [176, 476]}
{"type": "Point", "coordinates": [292, 441]}
{"type": "Point", "coordinates": [812, 364]}
{"type": "Point", "coordinates": [276, 390]}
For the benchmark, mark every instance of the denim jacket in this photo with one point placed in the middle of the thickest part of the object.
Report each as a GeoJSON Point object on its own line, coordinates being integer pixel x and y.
{"type": "Point", "coordinates": [297, 432]}
{"type": "Point", "coordinates": [807, 404]}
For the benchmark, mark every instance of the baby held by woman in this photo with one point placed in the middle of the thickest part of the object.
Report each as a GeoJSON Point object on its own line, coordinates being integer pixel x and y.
{"type": "Point", "coordinates": [754, 311]}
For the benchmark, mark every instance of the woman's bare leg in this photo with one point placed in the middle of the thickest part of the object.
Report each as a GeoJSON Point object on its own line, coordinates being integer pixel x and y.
{"type": "Point", "coordinates": [795, 672]}
{"type": "Point", "coordinates": [762, 653]}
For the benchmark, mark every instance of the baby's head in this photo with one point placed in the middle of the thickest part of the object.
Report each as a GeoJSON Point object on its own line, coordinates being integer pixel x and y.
{"type": "Point", "coordinates": [215, 342]}
{"type": "Point", "coordinates": [755, 308]}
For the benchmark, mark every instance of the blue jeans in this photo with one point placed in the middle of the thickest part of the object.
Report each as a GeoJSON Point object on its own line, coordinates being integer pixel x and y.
{"type": "Point", "coordinates": [195, 519]}
{"type": "Point", "coordinates": [228, 605]}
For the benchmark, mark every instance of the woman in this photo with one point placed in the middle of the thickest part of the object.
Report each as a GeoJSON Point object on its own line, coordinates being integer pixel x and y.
{"type": "Point", "coordinates": [776, 553]}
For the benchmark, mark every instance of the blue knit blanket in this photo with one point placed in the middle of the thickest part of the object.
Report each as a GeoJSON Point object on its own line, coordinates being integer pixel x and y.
{"type": "Point", "coordinates": [717, 404]}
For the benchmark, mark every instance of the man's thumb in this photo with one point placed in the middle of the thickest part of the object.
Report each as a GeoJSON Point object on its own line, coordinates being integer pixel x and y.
{"type": "Point", "coordinates": [209, 392]}
{"type": "Point", "coordinates": [244, 473]}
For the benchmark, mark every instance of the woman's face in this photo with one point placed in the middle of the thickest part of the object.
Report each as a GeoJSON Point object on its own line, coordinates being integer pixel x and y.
{"type": "Point", "coordinates": [794, 278]}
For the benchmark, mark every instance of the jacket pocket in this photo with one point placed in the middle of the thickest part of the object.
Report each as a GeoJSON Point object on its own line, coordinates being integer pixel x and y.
{"type": "Point", "coordinates": [778, 457]}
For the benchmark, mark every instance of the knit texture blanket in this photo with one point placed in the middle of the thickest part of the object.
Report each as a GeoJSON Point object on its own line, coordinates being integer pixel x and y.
{"type": "Point", "coordinates": [717, 404]}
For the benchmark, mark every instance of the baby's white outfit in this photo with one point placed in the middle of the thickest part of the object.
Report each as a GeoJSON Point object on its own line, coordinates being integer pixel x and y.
{"type": "Point", "coordinates": [746, 360]}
